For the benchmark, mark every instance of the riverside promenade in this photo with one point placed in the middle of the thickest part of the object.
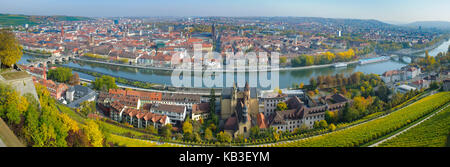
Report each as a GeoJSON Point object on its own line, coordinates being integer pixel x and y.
{"type": "Point", "coordinates": [216, 70]}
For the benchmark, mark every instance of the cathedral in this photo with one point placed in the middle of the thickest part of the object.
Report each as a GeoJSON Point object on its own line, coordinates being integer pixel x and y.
{"type": "Point", "coordinates": [239, 109]}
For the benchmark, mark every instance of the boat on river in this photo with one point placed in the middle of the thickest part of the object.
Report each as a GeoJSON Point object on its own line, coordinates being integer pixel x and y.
{"type": "Point", "coordinates": [338, 65]}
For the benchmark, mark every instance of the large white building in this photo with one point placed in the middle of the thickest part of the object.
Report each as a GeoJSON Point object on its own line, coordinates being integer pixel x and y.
{"type": "Point", "coordinates": [404, 88]}
{"type": "Point", "coordinates": [299, 114]}
{"type": "Point", "coordinates": [270, 101]}
{"type": "Point", "coordinates": [176, 113]}
{"type": "Point", "coordinates": [405, 73]}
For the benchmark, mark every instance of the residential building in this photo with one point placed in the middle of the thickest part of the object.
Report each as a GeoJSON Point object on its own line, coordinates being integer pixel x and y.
{"type": "Point", "coordinates": [411, 72]}
{"type": "Point", "coordinates": [404, 88]}
{"type": "Point", "coordinates": [56, 90]}
{"type": "Point", "coordinates": [200, 111]}
{"type": "Point", "coordinates": [176, 113]}
{"type": "Point", "coordinates": [392, 76]}
{"type": "Point", "coordinates": [77, 94]}
{"type": "Point", "coordinates": [421, 84]}
{"type": "Point", "coordinates": [446, 84]}
{"type": "Point", "coordinates": [270, 101]}
{"type": "Point", "coordinates": [138, 118]}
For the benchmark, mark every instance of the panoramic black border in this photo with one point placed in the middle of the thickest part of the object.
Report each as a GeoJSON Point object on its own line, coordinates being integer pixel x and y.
{"type": "Point", "coordinates": [293, 156]}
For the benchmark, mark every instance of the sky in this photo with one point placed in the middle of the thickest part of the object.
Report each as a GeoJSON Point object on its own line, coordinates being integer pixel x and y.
{"type": "Point", "coordinates": [395, 11]}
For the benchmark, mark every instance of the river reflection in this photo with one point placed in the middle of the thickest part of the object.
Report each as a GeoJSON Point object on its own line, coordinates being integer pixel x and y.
{"type": "Point", "coordinates": [286, 78]}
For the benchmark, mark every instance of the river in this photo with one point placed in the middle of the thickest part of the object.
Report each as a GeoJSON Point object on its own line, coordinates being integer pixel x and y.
{"type": "Point", "coordinates": [286, 78]}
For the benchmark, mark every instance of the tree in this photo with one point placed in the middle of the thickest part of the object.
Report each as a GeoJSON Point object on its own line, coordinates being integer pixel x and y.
{"type": "Point", "coordinates": [31, 128]}
{"type": "Point", "coordinates": [332, 127]}
{"type": "Point", "coordinates": [434, 85]}
{"type": "Point", "coordinates": [41, 127]}
{"type": "Point", "coordinates": [360, 103]}
{"type": "Point", "coordinates": [313, 83]}
{"type": "Point", "coordinates": [187, 127]}
{"type": "Point", "coordinates": [10, 49]}
{"type": "Point", "coordinates": [212, 101]}
{"type": "Point", "coordinates": [166, 131]}
{"type": "Point", "coordinates": [70, 124]}
{"type": "Point", "coordinates": [276, 90]}
{"type": "Point", "coordinates": [224, 137]}
{"type": "Point", "coordinates": [254, 131]}
{"type": "Point", "coordinates": [301, 85]}
{"type": "Point", "coordinates": [383, 92]}
{"type": "Point", "coordinates": [276, 134]}
{"type": "Point", "coordinates": [309, 60]}
{"type": "Point", "coordinates": [331, 116]}
{"type": "Point", "coordinates": [152, 130]}
{"type": "Point", "coordinates": [105, 83]}
{"type": "Point", "coordinates": [74, 79]}
{"type": "Point", "coordinates": [323, 124]}
{"type": "Point", "coordinates": [60, 74]}
{"type": "Point", "coordinates": [77, 139]}
{"type": "Point", "coordinates": [88, 107]}
{"type": "Point", "coordinates": [93, 133]}
{"type": "Point", "coordinates": [356, 77]}
{"type": "Point", "coordinates": [208, 134]}
{"type": "Point", "coordinates": [316, 124]}
{"type": "Point", "coordinates": [12, 105]}
{"type": "Point", "coordinates": [283, 60]}
{"type": "Point", "coordinates": [281, 106]}
{"type": "Point", "coordinates": [212, 126]}
{"type": "Point", "coordinates": [350, 114]}
{"type": "Point", "coordinates": [196, 137]}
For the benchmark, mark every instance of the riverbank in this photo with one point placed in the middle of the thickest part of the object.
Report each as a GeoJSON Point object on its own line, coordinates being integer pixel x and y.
{"type": "Point", "coordinates": [204, 92]}
{"type": "Point", "coordinates": [153, 87]}
{"type": "Point", "coordinates": [217, 70]}
{"type": "Point", "coordinates": [37, 54]}
{"type": "Point", "coordinates": [412, 51]}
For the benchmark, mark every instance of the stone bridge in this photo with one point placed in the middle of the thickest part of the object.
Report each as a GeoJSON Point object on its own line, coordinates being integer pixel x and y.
{"type": "Point", "coordinates": [51, 60]}
{"type": "Point", "coordinates": [412, 57]}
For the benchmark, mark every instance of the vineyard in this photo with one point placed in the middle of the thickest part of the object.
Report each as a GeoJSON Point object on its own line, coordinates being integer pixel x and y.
{"type": "Point", "coordinates": [364, 133]}
{"type": "Point", "coordinates": [431, 133]}
{"type": "Point", "coordinates": [121, 141]}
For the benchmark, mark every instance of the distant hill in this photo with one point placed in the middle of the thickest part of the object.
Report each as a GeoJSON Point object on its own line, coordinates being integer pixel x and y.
{"type": "Point", "coordinates": [15, 19]}
{"type": "Point", "coordinates": [430, 24]}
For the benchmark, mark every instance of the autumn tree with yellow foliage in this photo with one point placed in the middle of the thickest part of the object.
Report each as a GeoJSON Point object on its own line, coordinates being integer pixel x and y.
{"type": "Point", "coordinates": [10, 49]}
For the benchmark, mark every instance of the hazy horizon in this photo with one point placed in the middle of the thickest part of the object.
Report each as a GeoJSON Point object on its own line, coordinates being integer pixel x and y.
{"type": "Point", "coordinates": [394, 12]}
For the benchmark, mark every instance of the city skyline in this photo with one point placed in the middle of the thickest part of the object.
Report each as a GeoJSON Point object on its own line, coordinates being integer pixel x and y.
{"type": "Point", "coordinates": [393, 11]}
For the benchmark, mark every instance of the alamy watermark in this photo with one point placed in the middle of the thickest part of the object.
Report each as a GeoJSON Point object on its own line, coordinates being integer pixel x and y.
{"type": "Point", "coordinates": [210, 69]}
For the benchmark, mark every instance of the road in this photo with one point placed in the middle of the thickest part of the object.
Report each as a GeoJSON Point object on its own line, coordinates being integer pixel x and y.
{"type": "Point", "coordinates": [2, 144]}
{"type": "Point", "coordinates": [404, 130]}
{"type": "Point", "coordinates": [7, 137]}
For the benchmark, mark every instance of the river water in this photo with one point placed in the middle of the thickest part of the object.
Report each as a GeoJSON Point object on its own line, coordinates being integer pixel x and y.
{"type": "Point", "coordinates": [286, 78]}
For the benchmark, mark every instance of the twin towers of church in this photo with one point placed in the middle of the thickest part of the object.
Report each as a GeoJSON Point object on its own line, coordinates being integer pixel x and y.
{"type": "Point", "coordinates": [238, 108]}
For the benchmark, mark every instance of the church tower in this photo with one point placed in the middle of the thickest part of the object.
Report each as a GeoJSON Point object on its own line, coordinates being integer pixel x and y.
{"type": "Point", "coordinates": [247, 91]}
